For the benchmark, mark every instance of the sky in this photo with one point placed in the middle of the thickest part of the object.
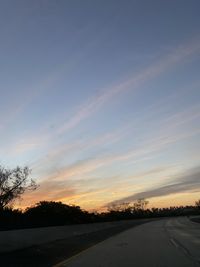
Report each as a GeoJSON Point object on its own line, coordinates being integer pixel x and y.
{"type": "Point", "coordinates": [101, 99]}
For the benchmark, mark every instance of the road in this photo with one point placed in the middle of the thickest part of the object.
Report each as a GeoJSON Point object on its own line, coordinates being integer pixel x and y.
{"type": "Point", "coordinates": [25, 238]}
{"type": "Point", "coordinates": [170, 242]}
{"type": "Point", "coordinates": [44, 247]}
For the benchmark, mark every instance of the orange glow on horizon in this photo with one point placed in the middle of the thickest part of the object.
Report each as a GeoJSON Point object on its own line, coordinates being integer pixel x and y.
{"type": "Point", "coordinates": [180, 199]}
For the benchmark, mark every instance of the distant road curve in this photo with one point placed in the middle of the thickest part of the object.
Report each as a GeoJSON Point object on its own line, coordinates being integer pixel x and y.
{"type": "Point", "coordinates": [173, 242]}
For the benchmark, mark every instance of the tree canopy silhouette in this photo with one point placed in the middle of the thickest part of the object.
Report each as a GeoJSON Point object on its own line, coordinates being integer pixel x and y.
{"type": "Point", "coordinates": [47, 213]}
{"type": "Point", "coordinates": [197, 203]}
{"type": "Point", "coordinates": [13, 183]}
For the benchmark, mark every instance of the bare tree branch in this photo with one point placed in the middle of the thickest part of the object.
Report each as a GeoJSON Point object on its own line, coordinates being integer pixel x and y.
{"type": "Point", "coordinates": [13, 183]}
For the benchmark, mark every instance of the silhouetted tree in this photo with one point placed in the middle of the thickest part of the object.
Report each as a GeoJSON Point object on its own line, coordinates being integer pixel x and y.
{"type": "Point", "coordinates": [141, 204]}
{"type": "Point", "coordinates": [49, 213]}
{"type": "Point", "coordinates": [119, 207]}
{"type": "Point", "coordinates": [13, 183]}
{"type": "Point", "coordinates": [197, 203]}
{"type": "Point", "coordinates": [46, 213]}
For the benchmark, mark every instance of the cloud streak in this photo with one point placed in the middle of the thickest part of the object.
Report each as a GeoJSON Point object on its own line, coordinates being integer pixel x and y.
{"type": "Point", "coordinates": [48, 190]}
{"type": "Point", "coordinates": [93, 104]}
{"type": "Point", "coordinates": [186, 182]}
{"type": "Point", "coordinates": [134, 155]}
{"type": "Point", "coordinates": [168, 61]}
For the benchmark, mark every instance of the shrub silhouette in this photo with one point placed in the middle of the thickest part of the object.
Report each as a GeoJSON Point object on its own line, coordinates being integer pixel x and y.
{"type": "Point", "coordinates": [48, 213]}
{"type": "Point", "coordinates": [51, 213]}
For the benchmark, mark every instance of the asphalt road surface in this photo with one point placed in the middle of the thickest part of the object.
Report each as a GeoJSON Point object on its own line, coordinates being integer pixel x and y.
{"type": "Point", "coordinates": [44, 247]}
{"type": "Point", "coordinates": [35, 237]}
{"type": "Point", "coordinates": [173, 242]}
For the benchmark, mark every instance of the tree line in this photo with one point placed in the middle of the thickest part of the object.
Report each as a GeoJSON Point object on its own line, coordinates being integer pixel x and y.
{"type": "Point", "coordinates": [14, 182]}
{"type": "Point", "coordinates": [51, 213]}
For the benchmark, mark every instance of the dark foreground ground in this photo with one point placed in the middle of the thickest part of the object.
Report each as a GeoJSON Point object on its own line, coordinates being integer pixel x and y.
{"type": "Point", "coordinates": [49, 254]}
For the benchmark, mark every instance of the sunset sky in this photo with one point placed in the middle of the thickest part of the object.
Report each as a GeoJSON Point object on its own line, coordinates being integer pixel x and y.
{"type": "Point", "coordinates": [101, 99]}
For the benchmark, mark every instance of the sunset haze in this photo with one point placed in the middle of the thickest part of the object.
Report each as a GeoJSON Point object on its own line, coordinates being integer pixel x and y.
{"type": "Point", "coordinates": [101, 99]}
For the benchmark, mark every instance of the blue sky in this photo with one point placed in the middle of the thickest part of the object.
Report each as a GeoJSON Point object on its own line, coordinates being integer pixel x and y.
{"type": "Point", "coordinates": [101, 99]}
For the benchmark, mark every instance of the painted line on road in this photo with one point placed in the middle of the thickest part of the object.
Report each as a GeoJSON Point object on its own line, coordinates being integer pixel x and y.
{"type": "Point", "coordinates": [180, 246]}
{"type": "Point", "coordinates": [174, 242]}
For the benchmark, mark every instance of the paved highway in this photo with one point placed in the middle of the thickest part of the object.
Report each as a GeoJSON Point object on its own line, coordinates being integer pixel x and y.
{"type": "Point", "coordinates": [44, 247]}
{"type": "Point", "coordinates": [20, 239]}
{"type": "Point", "coordinates": [166, 243]}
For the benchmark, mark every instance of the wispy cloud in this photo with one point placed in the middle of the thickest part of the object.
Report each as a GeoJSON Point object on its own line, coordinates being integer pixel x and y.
{"type": "Point", "coordinates": [93, 104]}
{"type": "Point", "coordinates": [136, 154]}
{"type": "Point", "coordinates": [24, 97]}
{"type": "Point", "coordinates": [59, 152]}
{"type": "Point", "coordinates": [63, 183]}
{"type": "Point", "coordinates": [168, 61]}
{"type": "Point", "coordinates": [48, 190]}
{"type": "Point", "coordinates": [186, 182]}
{"type": "Point", "coordinates": [172, 122]}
